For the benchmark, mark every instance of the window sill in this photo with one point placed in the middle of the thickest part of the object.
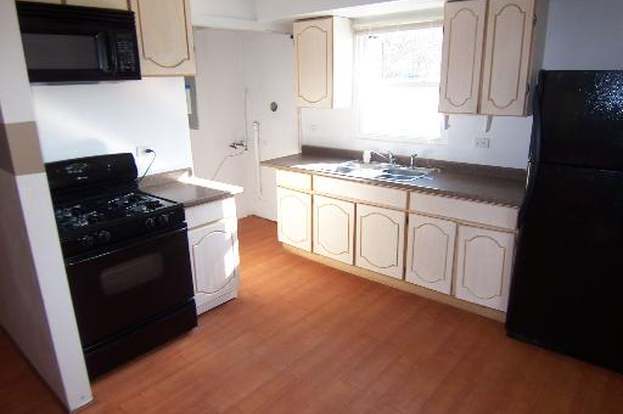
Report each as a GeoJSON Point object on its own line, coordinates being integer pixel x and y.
{"type": "Point", "coordinates": [404, 139]}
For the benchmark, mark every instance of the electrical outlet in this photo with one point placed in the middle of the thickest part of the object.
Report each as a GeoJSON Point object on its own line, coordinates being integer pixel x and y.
{"type": "Point", "coordinates": [141, 151]}
{"type": "Point", "coordinates": [482, 142]}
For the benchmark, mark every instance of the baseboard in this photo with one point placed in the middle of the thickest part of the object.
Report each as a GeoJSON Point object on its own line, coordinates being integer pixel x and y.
{"type": "Point", "coordinates": [401, 284]}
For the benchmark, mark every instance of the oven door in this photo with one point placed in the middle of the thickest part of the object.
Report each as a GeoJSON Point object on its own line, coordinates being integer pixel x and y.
{"type": "Point", "coordinates": [117, 291]}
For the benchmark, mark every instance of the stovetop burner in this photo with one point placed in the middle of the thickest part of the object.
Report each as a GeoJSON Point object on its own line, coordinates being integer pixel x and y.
{"type": "Point", "coordinates": [107, 209]}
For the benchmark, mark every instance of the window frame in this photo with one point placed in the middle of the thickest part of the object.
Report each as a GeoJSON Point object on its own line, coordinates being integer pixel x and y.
{"type": "Point", "coordinates": [402, 139]}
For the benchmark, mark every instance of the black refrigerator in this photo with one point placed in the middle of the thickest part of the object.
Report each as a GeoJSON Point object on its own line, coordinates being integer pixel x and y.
{"type": "Point", "coordinates": [567, 288]}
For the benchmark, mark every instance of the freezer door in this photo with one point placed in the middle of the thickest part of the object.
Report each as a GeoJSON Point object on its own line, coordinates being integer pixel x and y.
{"type": "Point", "coordinates": [568, 272]}
{"type": "Point", "coordinates": [581, 116]}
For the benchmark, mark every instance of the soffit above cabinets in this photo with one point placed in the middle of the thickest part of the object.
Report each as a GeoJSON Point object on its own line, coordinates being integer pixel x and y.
{"type": "Point", "coordinates": [278, 15]}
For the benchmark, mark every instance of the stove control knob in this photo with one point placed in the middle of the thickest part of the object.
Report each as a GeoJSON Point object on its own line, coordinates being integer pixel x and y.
{"type": "Point", "coordinates": [87, 241]}
{"type": "Point", "coordinates": [150, 223]}
{"type": "Point", "coordinates": [163, 220]}
{"type": "Point", "coordinates": [103, 236]}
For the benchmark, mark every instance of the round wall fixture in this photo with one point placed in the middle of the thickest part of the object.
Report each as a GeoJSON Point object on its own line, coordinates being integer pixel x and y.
{"type": "Point", "coordinates": [274, 106]}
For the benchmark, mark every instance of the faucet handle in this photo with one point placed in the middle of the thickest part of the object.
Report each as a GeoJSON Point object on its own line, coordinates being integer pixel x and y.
{"type": "Point", "coordinates": [391, 158]}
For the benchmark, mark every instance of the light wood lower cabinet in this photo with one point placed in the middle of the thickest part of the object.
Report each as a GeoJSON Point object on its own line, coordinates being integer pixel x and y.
{"type": "Point", "coordinates": [294, 218]}
{"type": "Point", "coordinates": [334, 229]}
{"type": "Point", "coordinates": [380, 240]}
{"type": "Point", "coordinates": [214, 260]}
{"type": "Point", "coordinates": [430, 253]}
{"type": "Point", "coordinates": [484, 260]}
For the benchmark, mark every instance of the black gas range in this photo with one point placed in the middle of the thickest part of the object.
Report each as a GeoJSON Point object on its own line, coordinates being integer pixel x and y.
{"type": "Point", "coordinates": [112, 218]}
{"type": "Point", "coordinates": [127, 259]}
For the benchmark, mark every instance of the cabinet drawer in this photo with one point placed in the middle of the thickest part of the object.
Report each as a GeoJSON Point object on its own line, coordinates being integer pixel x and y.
{"type": "Point", "coordinates": [203, 214]}
{"type": "Point", "coordinates": [487, 214]}
{"type": "Point", "coordinates": [295, 181]}
{"type": "Point", "coordinates": [369, 194]}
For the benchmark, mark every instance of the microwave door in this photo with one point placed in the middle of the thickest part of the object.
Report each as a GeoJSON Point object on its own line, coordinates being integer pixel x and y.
{"type": "Point", "coordinates": [54, 57]}
{"type": "Point", "coordinates": [105, 56]}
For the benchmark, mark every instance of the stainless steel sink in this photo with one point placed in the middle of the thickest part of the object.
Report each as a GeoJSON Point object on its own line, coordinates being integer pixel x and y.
{"type": "Point", "coordinates": [408, 172]}
{"type": "Point", "coordinates": [380, 171]}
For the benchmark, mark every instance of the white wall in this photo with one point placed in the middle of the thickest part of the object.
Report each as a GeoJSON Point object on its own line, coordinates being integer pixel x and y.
{"type": "Point", "coordinates": [35, 303]}
{"type": "Point", "coordinates": [235, 9]}
{"type": "Point", "coordinates": [228, 62]}
{"type": "Point", "coordinates": [109, 117]}
{"type": "Point", "coordinates": [509, 138]}
{"type": "Point", "coordinates": [286, 9]}
{"type": "Point", "coordinates": [584, 35]}
{"type": "Point", "coordinates": [220, 108]}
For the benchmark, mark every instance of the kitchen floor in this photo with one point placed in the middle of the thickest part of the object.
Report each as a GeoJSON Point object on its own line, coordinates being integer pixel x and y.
{"type": "Point", "coordinates": [306, 338]}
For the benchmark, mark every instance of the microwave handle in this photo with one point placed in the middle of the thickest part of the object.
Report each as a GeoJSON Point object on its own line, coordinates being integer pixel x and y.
{"type": "Point", "coordinates": [106, 59]}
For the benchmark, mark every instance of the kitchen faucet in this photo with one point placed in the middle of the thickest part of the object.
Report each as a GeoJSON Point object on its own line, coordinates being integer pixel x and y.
{"type": "Point", "coordinates": [412, 159]}
{"type": "Point", "coordinates": [391, 158]}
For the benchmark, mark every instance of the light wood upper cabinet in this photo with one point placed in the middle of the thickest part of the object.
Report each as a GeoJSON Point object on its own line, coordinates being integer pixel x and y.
{"type": "Point", "coordinates": [294, 218]}
{"type": "Point", "coordinates": [464, 31]}
{"type": "Point", "coordinates": [380, 240]}
{"type": "Point", "coordinates": [334, 229]}
{"type": "Point", "coordinates": [508, 50]}
{"type": "Point", "coordinates": [492, 51]}
{"type": "Point", "coordinates": [107, 4]}
{"type": "Point", "coordinates": [484, 260]}
{"type": "Point", "coordinates": [165, 37]}
{"type": "Point", "coordinates": [430, 252]}
{"type": "Point", "coordinates": [324, 62]}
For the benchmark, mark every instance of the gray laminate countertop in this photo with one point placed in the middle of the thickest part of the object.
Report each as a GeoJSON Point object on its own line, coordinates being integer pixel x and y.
{"type": "Point", "coordinates": [474, 182]}
{"type": "Point", "coordinates": [187, 194]}
{"type": "Point", "coordinates": [181, 187]}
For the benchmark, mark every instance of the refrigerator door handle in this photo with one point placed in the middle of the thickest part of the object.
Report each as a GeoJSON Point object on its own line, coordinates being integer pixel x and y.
{"type": "Point", "coordinates": [535, 150]}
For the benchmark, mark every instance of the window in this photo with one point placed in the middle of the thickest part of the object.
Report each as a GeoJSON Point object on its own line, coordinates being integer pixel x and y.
{"type": "Point", "coordinates": [397, 83]}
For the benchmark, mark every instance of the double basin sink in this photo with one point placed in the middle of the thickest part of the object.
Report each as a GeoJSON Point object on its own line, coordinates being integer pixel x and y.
{"type": "Point", "coordinates": [377, 171]}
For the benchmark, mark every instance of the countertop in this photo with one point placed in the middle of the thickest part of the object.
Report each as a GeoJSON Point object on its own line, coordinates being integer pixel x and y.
{"type": "Point", "coordinates": [479, 183]}
{"type": "Point", "coordinates": [188, 190]}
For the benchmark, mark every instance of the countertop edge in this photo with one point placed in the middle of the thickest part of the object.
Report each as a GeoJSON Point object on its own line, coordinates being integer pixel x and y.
{"type": "Point", "coordinates": [452, 194]}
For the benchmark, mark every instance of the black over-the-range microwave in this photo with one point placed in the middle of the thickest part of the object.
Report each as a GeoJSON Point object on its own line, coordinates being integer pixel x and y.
{"type": "Point", "coordinates": [78, 44]}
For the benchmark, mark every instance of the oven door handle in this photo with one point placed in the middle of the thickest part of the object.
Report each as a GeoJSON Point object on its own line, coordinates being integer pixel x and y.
{"type": "Point", "coordinates": [122, 246]}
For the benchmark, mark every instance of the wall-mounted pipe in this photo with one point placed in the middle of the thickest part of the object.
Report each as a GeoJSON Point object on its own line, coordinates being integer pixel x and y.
{"type": "Point", "coordinates": [258, 157]}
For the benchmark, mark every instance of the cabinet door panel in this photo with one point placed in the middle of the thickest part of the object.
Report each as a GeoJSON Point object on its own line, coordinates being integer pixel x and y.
{"type": "Point", "coordinates": [464, 28]}
{"type": "Point", "coordinates": [484, 266]}
{"type": "Point", "coordinates": [314, 62]}
{"type": "Point", "coordinates": [165, 37]}
{"type": "Point", "coordinates": [214, 254]}
{"type": "Point", "coordinates": [107, 4]}
{"type": "Point", "coordinates": [430, 252]}
{"type": "Point", "coordinates": [380, 240]}
{"type": "Point", "coordinates": [507, 57]}
{"type": "Point", "coordinates": [334, 228]}
{"type": "Point", "coordinates": [294, 218]}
